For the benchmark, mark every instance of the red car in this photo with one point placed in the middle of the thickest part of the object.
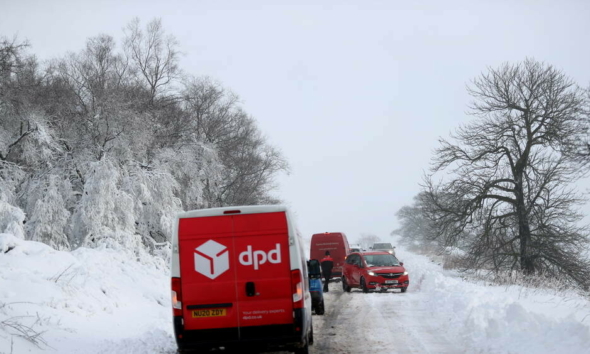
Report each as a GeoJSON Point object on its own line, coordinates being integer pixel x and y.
{"type": "Point", "coordinates": [374, 271]}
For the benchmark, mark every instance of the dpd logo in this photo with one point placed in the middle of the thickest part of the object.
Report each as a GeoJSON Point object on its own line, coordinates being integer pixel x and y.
{"type": "Point", "coordinates": [256, 258]}
{"type": "Point", "coordinates": [211, 259]}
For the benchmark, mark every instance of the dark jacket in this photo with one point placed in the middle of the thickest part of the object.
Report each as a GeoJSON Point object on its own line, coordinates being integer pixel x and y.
{"type": "Point", "coordinates": [327, 264]}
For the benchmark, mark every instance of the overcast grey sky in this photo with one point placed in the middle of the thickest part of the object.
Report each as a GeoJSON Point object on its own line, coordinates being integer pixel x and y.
{"type": "Point", "coordinates": [355, 93]}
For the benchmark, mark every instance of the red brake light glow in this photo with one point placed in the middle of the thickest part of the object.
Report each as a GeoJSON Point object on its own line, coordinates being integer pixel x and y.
{"type": "Point", "coordinates": [176, 297]}
{"type": "Point", "coordinates": [297, 286]}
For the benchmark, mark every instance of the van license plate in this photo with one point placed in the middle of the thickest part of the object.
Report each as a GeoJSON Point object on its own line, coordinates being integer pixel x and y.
{"type": "Point", "coordinates": [209, 313]}
{"type": "Point", "coordinates": [391, 282]}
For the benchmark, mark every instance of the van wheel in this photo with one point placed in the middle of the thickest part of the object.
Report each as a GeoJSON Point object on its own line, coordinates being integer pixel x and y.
{"type": "Point", "coordinates": [311, 334]}
{"type": "Point", "coordinates": [320, 310]}
{"type": "Point", "coordinates": [404, 289]}
{"type": "Point", "coordinates": [304, 349]}
{"type": "Point", "coordinates": [345, 286]}
{"type": "Point", "coordinates": [364, 286]}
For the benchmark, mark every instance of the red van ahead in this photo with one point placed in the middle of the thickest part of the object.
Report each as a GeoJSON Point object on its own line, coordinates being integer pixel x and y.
{"type": "Point", "coordinates": [336, 243]}
{"type": "Point", "coordinates": [239, 279]}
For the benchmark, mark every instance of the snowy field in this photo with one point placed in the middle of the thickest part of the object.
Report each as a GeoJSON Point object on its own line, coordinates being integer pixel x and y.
{"type": "Point", "coordinates": [106, 301]}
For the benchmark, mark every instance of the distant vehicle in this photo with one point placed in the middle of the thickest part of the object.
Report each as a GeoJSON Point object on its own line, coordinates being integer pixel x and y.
{"type": "Point", "coordinates": [316, 286]}
{"type": "Point", "coordinates": [355, 248]}
{"type": "Point", "coordinates": [239, 280]}
{"type": "Point", "coordinates": [384, 246]}
{"type": "Point", "coordinates": [374, 271]}
{"type": "Point", "coordinates": [336, 243]}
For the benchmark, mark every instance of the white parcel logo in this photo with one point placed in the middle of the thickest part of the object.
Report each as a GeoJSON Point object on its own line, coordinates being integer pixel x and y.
{"type": "Point", "coordinates": [211, 259]}
{"type": "Point", "coordinates": [256, 258]}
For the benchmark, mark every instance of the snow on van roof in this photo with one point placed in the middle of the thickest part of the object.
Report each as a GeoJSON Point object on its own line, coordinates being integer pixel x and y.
{"type": "Point", "coordinates": [246, 209]}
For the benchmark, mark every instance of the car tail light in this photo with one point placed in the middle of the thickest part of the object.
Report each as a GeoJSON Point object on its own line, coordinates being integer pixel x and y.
{"type": "Point", "coordinates": [297, 286]}
{"type": "Point", "coordinates": [176, 297]}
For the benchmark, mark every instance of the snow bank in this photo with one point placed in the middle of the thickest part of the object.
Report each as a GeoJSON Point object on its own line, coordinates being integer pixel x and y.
{"type": "Point", "coordinates": [83, 301]}
{"type": "Point", "coordinates": [492, 319]}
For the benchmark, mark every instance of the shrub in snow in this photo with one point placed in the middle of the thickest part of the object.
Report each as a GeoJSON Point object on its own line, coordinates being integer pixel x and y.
{"type": "Point", "coordinates": [48, 214]}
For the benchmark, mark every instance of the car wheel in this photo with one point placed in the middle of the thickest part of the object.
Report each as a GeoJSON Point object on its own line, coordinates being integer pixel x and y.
{"type": "Point", "coordinates": [364, 286]}
{"type": "Point", "coordinates": [345, 286]}
{"type": "Point", "coordinates": [404, 289]}
{"type": "Point", "coordinates": [320, 310]}
{"type": "Point", "coordinates": [311, 333]}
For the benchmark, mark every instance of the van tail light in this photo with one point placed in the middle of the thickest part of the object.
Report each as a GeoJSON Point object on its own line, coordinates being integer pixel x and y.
{"type": "Point", "coordinates": [176, 297]}
{"type": "Point", "coordinates": [297, 286]}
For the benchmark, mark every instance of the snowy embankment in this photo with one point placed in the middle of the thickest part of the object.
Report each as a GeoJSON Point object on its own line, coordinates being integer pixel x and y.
{"type": "Point", "coordinates": [85, 301]}
{"type": "Point", "coordinates": [482, 318]}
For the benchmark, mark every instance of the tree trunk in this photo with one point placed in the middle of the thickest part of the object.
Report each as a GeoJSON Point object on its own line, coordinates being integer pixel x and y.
{"type": "Point", "coordinates": [524, 230]}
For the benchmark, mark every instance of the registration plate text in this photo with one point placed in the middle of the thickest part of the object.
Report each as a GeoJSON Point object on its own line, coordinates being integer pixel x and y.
{"type": "Point", "coordinates": [209, 313]}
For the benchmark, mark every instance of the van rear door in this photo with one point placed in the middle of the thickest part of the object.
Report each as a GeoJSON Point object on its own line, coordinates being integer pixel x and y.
{"type": "Point", "coordinates": [206, 246]}
{"type": "Point", "coordinates": [235, 272]}
{"type": "Point", "coordinates": [263, 278]}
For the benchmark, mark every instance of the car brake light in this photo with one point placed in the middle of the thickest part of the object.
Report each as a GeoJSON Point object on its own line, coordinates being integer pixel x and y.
{"type": "Point", "coordinates": [297, 286]}
{"type": "Point", "coordinates": [232, 211]}
{"type": "Point", "coordinates": [176, 297]}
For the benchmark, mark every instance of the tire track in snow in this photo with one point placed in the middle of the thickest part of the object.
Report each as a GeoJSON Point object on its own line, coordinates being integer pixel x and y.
{"type": "Point", "coordinates": [327, 330]}
{"type": "Point", "coordinates": [378, 322]}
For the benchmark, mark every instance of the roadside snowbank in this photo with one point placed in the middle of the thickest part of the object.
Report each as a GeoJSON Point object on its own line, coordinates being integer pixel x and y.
{"type": "Point", "coordinates": [85, 301]}
{"type": "Point", "coordinates": [493, 319]}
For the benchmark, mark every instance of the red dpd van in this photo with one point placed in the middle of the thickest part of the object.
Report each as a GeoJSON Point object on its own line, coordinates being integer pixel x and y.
{"type": "Point", "coordinates": [336, 243]}
{"type": "Point", "coordinates": [239, 279]}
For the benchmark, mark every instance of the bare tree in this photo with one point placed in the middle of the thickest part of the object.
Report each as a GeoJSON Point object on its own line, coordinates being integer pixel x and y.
{"type": "Point", "coordinates": [417, 229]}
{"type": "Point", "coordinates": [19, 81]}
{"type": "Point", "coordinates": [509, 176]}
{"type": "Point", "coordinates": [98, 81]}
{"type": "Point", "coordinates": [154, 54]}
{"type": "Point", "coordinates": [367, 240]}
{"type": "Point", "coordinates": [250, 163]}
{"type": "Point", "coordinates": [579, 149]}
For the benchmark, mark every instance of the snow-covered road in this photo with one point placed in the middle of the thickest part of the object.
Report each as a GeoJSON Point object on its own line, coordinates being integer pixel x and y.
{"type": "Point", "coordinates": [378, 322]}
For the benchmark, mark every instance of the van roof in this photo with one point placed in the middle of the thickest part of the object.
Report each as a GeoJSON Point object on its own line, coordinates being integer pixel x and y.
{"type": "Point", "coordinates": [247, 209]}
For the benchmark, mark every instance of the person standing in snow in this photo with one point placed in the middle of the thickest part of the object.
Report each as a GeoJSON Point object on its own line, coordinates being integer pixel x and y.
{"type": "Point", "coordinates": [327, 264]}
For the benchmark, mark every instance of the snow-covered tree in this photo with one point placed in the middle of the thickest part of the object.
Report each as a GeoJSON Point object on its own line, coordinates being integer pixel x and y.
{"type": "Point", "coordinates": [48, 216]}
{"type": "Point", "coordinates": [155, 203]}
{"type": "Point", "coordinates": [105, 212]}
{"type": "Point", "coordinates": [102, 146]}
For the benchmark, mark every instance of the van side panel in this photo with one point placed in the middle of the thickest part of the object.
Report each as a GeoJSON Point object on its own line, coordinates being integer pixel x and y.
{"type": "Point", "coordinates": [205, 244]}
{"type": "Point", "coordinates": [263, 240]}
